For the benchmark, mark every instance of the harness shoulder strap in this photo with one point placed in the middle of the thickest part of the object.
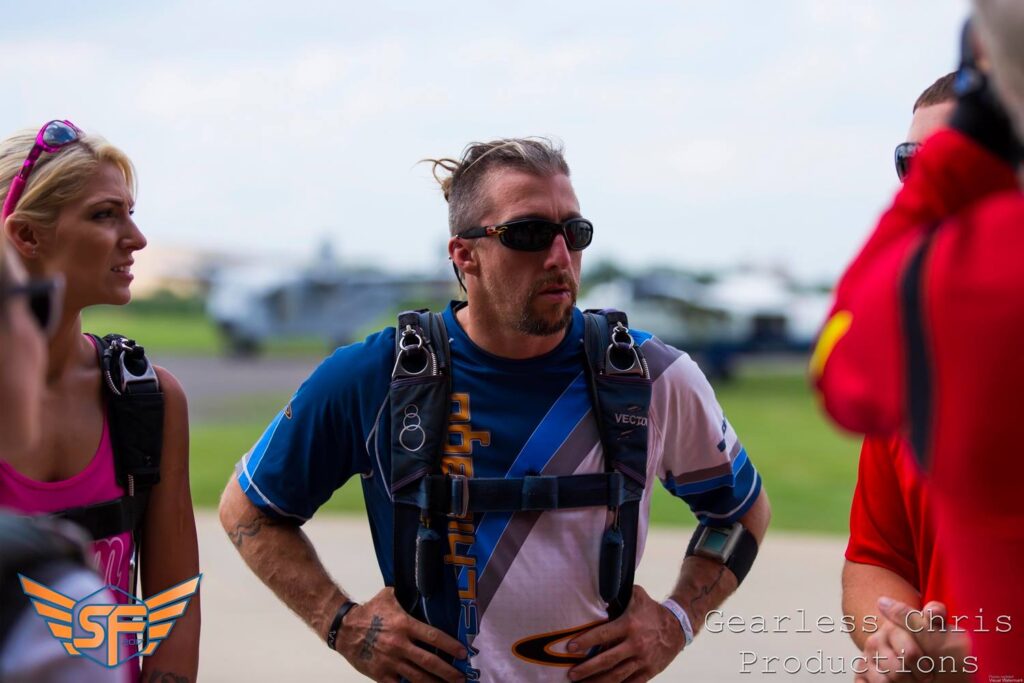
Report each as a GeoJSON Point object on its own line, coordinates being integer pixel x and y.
{"type": "Point", "coordinates": [135, 411]}
{"type": "Point", "coordinates": [620, 385]}
{"type": "Point", "coordinates": [419, 404]}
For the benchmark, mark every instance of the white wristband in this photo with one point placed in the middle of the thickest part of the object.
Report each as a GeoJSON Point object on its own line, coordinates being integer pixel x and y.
{"type": "Point", "coordinates": [684, 620]}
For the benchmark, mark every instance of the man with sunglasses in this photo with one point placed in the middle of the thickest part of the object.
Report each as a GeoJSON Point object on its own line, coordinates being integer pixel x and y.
{"type": "Point", "coordinates": [924, 340]}
{"type": "Point", "coordinates": [931, 112]}
{"type": "Point", "coordinates": [528, 604]}
{"type": "Point", "coordinates": [892, 548]}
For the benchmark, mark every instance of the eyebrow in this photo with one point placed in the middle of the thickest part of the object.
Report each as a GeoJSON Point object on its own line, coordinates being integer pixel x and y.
{"type": "Point", "coordinates": [117, 201]}
{"type": "Point", "coordinates": [531, 216]}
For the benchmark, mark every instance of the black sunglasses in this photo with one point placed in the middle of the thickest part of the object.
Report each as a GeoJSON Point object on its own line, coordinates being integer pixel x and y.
{"type": "Point", "coordinates": [905, 151]}
{"type": "Point", "coordinates": [45, 296]}
{"type": "Point", "coordinates": [535, 234]}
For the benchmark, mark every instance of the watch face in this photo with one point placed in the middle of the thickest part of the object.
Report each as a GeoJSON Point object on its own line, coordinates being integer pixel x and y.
{"type": "Point", "coordinates": [716, 540]}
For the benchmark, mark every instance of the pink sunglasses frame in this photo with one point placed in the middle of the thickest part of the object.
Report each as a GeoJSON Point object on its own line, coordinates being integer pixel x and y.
{"type": "Point", "coordinates": [20, 180]}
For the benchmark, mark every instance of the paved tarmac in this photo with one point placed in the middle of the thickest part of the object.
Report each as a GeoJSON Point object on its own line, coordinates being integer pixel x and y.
{"type": "Point", "coordinates": [249, 636]}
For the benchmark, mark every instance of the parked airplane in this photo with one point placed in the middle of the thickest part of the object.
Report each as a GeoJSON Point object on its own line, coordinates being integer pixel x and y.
{"type": "Point", "coordinates": [718, 320]}
{"type": "Point", "coordinates": [254, 304]}
{"type": "Point", "coordinates": [715, 320]}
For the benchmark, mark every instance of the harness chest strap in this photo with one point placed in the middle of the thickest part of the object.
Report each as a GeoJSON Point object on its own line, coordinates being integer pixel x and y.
{"type": "Point", "coordinates": [457, 495]}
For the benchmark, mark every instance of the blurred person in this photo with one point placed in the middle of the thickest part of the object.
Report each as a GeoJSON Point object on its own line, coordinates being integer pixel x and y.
{"type": "Point", "coordinates": [924, 339]}
{"type": "Point", "coordinates": [891, 552]}
{"type": "Point", "coordinates": [68, 199]}
{"type": "Point", "coordinates": [51, 552]}
{"type": "Point", "coordinates": [21, 380]}
{"type": "Point", "coordinates": [932, 110]}
{"type": "Point", "coordinates": [521, 588]}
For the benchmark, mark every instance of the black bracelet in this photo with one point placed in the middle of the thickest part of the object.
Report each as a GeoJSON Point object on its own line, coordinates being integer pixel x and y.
{"type": "Point", "coordinates": [332, 634]}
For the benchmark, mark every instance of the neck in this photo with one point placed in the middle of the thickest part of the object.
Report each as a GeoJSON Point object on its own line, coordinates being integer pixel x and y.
{"type": "Point", "coordinates": [67, 346]}
{"type": "Point", "coordinates": [488, 333]}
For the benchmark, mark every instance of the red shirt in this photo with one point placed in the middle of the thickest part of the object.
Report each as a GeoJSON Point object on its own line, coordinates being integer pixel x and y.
{"type": "Point", "coordinates": [891, 524]}
{"type": "Point", "coordinates": [966, 207]}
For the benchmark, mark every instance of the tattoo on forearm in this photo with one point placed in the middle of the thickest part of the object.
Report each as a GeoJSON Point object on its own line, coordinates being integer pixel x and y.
{"type": "Point", "coordinates": [167, 677]}
{"type": "Point", "coordinates": [370, 639]}
{"type": "Point", "coordinates": [706, 591]}
{"type": "Point", "coordinates": [249, 530]}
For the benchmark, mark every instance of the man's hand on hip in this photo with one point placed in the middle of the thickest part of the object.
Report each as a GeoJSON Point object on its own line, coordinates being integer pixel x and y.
{"type": "Point", "coordinates": [380, 640]}
{"type": "Point", "coordinates": [638, 645]}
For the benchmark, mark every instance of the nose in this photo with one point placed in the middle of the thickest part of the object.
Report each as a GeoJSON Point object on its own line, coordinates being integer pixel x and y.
{"type": "Point", "coordinates": [558, 255]}
{"type": "Point", "coordinates": [134, 240]}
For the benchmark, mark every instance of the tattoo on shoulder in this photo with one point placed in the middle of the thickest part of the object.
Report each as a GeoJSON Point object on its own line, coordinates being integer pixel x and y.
{"type": "Point", "coordinates": [370, 639]}
{"type": "Point", "coordinates": [249, 530]}
{"type": "Point", "coordinates": [167, 677]}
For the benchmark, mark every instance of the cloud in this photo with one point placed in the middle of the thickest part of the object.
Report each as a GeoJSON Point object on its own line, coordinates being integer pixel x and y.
{"type": "Point", "coordinates": [701, 127]}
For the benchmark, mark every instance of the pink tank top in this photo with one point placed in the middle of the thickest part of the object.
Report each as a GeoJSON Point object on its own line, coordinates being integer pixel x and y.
{"type": "Point", "coordinates": [97, 483]}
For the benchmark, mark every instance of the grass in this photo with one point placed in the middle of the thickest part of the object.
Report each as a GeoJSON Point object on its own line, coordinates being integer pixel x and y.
{"type": "Point", "coordinates": [808, 469]}
{"type": "Point", "coordinates": [181, 333]}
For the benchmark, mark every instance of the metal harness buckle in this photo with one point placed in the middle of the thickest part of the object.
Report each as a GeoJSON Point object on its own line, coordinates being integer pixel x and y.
{"type": "Point", "coordinates": [458, 505]}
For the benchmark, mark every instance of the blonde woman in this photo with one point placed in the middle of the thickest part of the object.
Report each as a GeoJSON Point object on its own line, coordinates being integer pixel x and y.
{"type": "Point", "coordinates": [68, 199]}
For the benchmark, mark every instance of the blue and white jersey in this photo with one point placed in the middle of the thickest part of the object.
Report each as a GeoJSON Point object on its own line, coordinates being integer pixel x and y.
{"type": "Point", "coordinates": [524, 576]}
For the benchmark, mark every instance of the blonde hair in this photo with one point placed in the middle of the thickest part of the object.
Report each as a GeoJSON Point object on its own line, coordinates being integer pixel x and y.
{"type": "Point", "coordinates": [57, 178]}
{"type": "Point", "coordinates": [461, 180]}
{"type": "Point", "coordinates": [1000, 26]}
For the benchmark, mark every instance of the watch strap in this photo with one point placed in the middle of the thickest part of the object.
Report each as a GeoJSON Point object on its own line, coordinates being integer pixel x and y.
{"type": "Point", "coordinates": [742, 557]}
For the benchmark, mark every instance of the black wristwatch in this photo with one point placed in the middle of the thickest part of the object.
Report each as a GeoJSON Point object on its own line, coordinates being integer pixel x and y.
{"type": "Point", "coordinates": [734, 546]}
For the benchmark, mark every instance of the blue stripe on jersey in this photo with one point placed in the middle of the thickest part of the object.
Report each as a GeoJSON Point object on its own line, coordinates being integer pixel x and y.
{"type": "Point", "coordinates": [252, 462]}
{"type": "Point", "coordinates": [695, 487]}
{"type": "Point", "coordinates": [556, 426]}
{"type": "Point", "coordinates": [726, 505]}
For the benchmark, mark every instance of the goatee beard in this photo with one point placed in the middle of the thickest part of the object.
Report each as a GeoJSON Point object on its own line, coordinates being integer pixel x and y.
{"type": "Point", "coordinates": [539, 326]}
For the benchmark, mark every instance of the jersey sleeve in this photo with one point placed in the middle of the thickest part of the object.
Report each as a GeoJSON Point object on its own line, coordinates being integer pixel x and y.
{"type": "Point", "coordinates": [318, 441]}
{"type": "Point", "coordinates": [703, 461]}
{"type": "Point", "coordinates": [880, 533]}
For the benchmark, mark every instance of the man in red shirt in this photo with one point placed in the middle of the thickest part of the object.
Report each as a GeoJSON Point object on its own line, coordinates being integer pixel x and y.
{"type": "Point", "coordinates": [925, 338]}
{"type": "Point", "coordinates": [892, 535]}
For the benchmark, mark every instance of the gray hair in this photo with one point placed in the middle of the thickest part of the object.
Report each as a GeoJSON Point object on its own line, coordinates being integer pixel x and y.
{"type": "Point", "coordinates": [1000, 26]}
{"type": "Point", "coordinates": [462, 180]}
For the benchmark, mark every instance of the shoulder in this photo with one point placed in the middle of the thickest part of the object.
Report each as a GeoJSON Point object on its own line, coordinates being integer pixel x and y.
{"type": "Point", "coordinates": [359, 361]}
{"type": "Point", "coordinates": [671, 366]}
{"type": "Point", "coordinates": [353, 375]}
{"type": "Point", "coordinates": [174, 393]}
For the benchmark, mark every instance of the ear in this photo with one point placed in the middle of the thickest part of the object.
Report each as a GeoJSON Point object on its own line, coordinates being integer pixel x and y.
{"type": "Point", "coordinates": [463, 256]}
{"type": "Point", "coordinates": [23, 236]}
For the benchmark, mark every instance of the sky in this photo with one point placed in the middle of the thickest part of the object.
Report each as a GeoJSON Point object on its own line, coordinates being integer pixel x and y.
{"type": "Point", "coordinates": [701, 135]}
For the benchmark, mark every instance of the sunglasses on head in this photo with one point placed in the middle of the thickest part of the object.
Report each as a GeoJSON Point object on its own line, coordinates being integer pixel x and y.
{"type": "Point", "coordinates": [45, 297]}
{"type": "Point", "coordinates": [535, 234]}
{"type": "Point", "coordinates": [905, 151]}
{"type": "Point", "coordinates": [52, 137]}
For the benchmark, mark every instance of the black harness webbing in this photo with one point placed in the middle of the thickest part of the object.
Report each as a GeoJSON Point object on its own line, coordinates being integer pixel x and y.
{"type": "Point", "coordinates": [135, 411]}
{"type": "Point", "coordinates": [427, 499]}
{"type": "Point", "coordinates": [919, 380]}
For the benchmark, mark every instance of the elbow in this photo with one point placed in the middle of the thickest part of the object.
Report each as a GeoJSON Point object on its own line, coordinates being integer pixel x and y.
{"type": "Point", "coordinates": [759, 516]}
{"type": "Point", "coordinates": [230, 506]}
